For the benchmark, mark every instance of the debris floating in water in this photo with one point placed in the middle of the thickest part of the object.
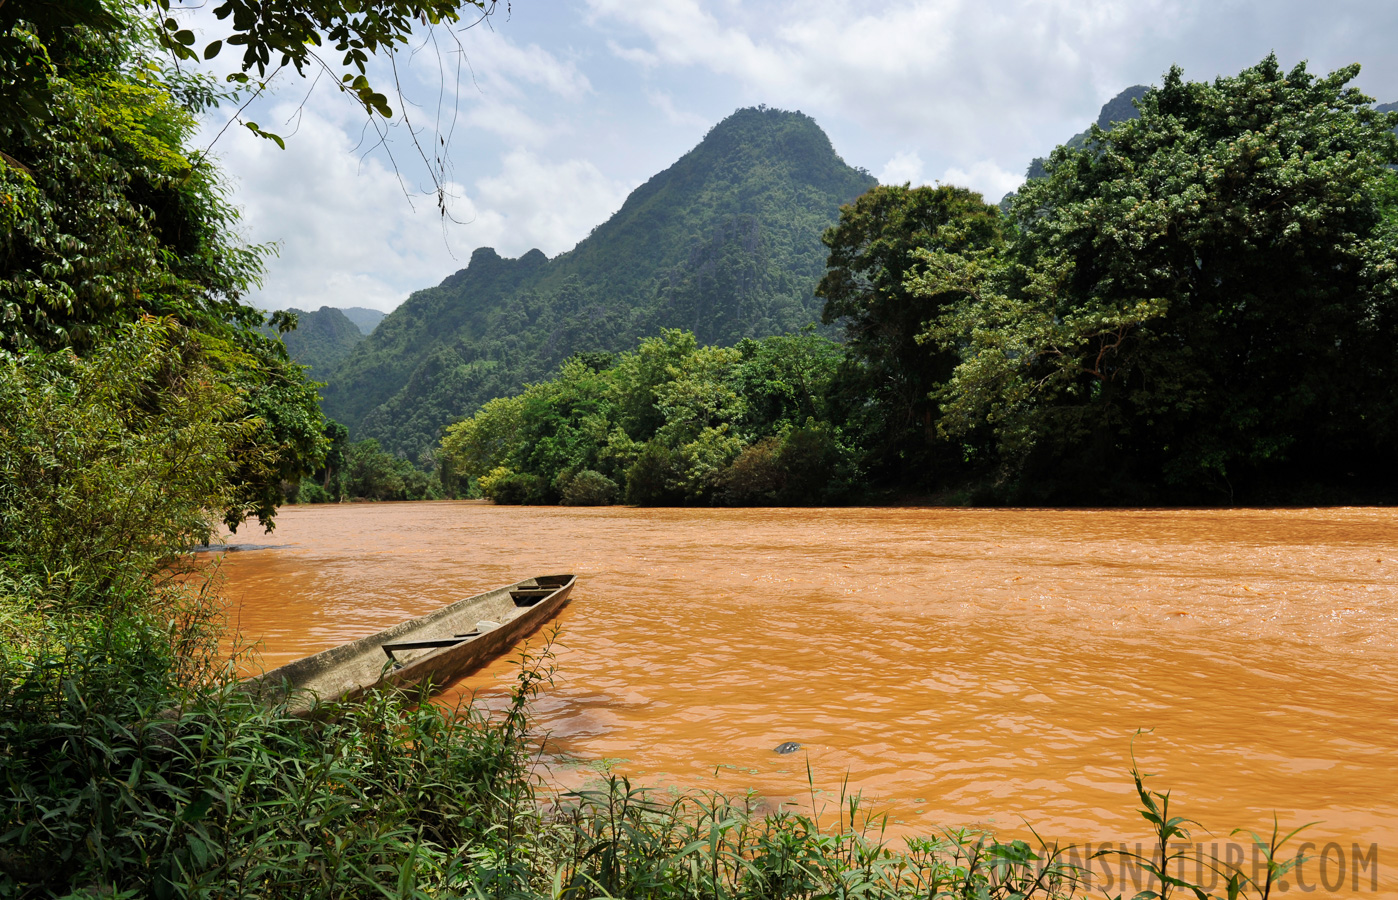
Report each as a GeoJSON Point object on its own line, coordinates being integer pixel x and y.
{"type": "Point", "coordinates": [787, 747]}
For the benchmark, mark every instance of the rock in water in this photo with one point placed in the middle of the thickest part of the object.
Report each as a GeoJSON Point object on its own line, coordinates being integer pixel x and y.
{"type": "Point", "coordinates": [787, 747]}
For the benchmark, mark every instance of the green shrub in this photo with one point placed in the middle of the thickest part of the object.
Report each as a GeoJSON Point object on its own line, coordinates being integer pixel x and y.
{"type": "Point", "coordinates": [420, 485]}
{"type": "Point", "coordinates": [589, 488]}
{"type": "Point", "coordinates": [312, 492]}
{"type": "Point", "coordinates": [755, 477]}
{"type": "Point", "coordinates": [817, 469]}
{"type": "Point", "coordinates": [653, 478]}
{"type": "Point", "coordinates": [372, 474]}
{"type": "Point", "coordinates": [516, 489]}
{"type": "Point", "coordinates": [226, 797]}
{"type": "Point", "coordinates": [110, 462]}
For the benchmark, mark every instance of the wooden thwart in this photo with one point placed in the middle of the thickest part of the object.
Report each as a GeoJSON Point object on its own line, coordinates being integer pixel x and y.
{"type": "Point", "coordinates": [390, 649]}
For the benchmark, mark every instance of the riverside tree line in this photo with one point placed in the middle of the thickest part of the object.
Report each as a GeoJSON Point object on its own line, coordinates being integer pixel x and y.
{"type": "Point", "coordinates": [1199, 305]}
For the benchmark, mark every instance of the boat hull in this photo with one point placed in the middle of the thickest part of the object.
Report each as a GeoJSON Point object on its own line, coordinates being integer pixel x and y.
{"type": "Point", "coordinates": [346, 672]}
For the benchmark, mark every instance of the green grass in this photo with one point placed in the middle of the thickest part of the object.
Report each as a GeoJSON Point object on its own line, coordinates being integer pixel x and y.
{"type": "Point", "coordinates": [120, 795]}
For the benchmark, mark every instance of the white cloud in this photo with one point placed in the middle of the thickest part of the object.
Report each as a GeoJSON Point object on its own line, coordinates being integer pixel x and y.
{"type": "Point", "coordinates": [510, 122]}
{"type": "Point", "coordinates": [666, 104]}
{"type": "Point", "coordinates": [350, 236]}
{"type": "Point", "coordinates": [497, 63]}
{"type": "Point", "coordinates": [548, 205]}
{"type": "Point", "coordinates": [981, 76]}
{"type": "Point", "coordinates": [986, 177]}
{"type": "Point", "coordinates": [634, 55]}
{"type": "Point", "coordinates": [683, 33]}
{"type": "Point", "coordinates": [563, 107]}
{"type": "Point", "coordinates": [904, 168]}
{"type": "Point", "coordinates": [347, 232]}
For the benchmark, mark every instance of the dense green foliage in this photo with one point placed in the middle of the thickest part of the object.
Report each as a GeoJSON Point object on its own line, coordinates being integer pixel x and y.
{"type": "Point", "coordinates": [1198, 305]}
{"type": "Point", "coordinates": [725, 243]}
{"type": "Point", "coordinates": [111, 461]}
{"type": "Point", "coordinates": [872, 254]}
{"type": "Point", "coordinates": [108, 217]}
{"type": "Point", "coordinates": [363, 471]}
{"type": "Point", "coordinates": [671, 422]}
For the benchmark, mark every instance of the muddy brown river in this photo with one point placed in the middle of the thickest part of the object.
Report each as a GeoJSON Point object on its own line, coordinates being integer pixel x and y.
{"type": "Point", "coordinates": [958, 667]}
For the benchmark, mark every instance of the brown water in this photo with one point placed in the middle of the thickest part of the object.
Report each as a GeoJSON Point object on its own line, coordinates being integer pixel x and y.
{"type": "Point", "coordinates": [958, 666]}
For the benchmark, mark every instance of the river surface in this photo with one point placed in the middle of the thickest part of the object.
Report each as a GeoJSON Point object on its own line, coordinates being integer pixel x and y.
{"type": "Point", "coordinates": [956, 666]}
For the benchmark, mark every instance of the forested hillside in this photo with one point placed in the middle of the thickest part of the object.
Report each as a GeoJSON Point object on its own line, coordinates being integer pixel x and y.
{"type": "Point", "coordinates": [725, 243]}
{"type": "Point", "coordinates": [366, 320]}
{"type": "Point", "coordinates": [321, 339]}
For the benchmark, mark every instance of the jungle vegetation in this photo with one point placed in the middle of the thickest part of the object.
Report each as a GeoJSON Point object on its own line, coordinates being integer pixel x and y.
{"type": "Point", "coordinates": [108, 218]}
{"type": "Point", "coordinates": [1199, 305]}
{"type": "Point", "coordinates": [670, 422]}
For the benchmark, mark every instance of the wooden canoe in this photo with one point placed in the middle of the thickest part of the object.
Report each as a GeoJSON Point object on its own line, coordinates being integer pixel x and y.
{"type": "Point", "coordinates": [423, 654]}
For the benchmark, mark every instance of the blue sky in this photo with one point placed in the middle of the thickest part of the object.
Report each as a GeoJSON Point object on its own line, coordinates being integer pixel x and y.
{"type": "Point", "coordinates": [562, 108]}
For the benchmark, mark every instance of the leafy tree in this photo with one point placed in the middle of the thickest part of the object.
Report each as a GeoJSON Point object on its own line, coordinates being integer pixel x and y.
{"type": "Point", "coordinates": [371, 474]}
{"type": "Point", "coordinates": [588, 488]}
{"type": "Point", "coordinates": [654, 478]}
{"type": "Point", "coordinates": [787, 379]}
{"type": "Point", "coordinates": [336, 457]}
{"type": "Point", "coordinates": [865, 290]}
{"type": "Point", "coordinates": [1201, 300]}
{"type": "Point", "coordinates": [109, 217]}
{"type": "Point", "coordinates": [484, 442]}
{"type": "Point", "coordinates": [110, 462]}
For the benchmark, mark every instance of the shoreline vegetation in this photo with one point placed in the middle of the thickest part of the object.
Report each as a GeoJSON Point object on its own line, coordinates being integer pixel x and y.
{"type": "Point", "coordinates": [141, 404]}
{"type": "Point", "coordinates": [1194, 307]}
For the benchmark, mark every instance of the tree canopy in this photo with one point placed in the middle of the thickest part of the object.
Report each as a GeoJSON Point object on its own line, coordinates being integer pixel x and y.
{"type": "Point", "coordinates": [107, 214]}
{"type": "Point", "coordinates": [1200, 302]}
{"type": "Point", "coordinates": [865, 287]}
{"type": "Point", "coordinates": [110, 217]}
{"type": "Point", "coordinates": [670, 422]}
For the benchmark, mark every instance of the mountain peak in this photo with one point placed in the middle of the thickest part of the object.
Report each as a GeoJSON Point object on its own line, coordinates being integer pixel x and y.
{"type": "Point", "coordinates": [1122, 107]}
{"type": "Point", "coordinates": [725, 242]}
{"type": "Point", "coordinates": [765, 136]}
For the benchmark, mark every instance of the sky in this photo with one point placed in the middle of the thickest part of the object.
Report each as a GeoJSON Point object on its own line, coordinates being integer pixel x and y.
{"type": "Point", "coordinates": [552, 111]}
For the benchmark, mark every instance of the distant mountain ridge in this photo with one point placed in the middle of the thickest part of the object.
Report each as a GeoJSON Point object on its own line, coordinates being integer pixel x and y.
{"type": "Point", "coordinates": [365, 319]}
{"type": "Point", "coordinates": [321, 339]}
{"type": "Point", "coordinates": [725, 243]}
